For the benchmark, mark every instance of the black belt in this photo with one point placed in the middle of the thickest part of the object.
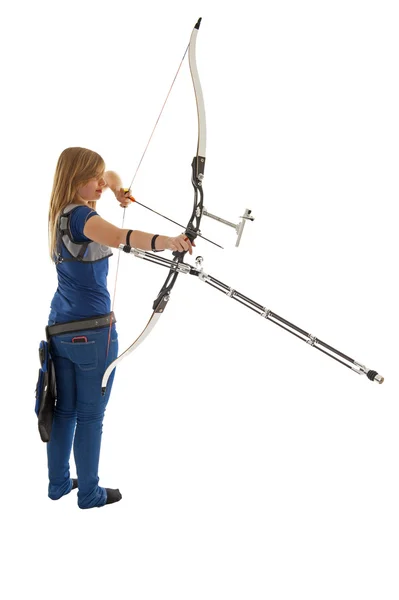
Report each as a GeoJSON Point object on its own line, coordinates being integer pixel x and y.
{"type": "Point", "coordinates": [81, 324]}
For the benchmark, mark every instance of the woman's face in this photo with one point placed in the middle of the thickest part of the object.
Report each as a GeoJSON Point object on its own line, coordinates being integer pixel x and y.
{"type": "Point", "coordinates": [92, 190]}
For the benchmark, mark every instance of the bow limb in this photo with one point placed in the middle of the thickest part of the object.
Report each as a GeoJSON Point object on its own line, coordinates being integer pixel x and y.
{"type": "Point", "coordinates": [201, 146]}
{"type": "Point", "coordinates": [193, 226]}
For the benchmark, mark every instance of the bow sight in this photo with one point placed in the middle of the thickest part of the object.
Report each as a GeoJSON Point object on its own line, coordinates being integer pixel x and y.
{"type": "Point", "coordinates": [239, 227]}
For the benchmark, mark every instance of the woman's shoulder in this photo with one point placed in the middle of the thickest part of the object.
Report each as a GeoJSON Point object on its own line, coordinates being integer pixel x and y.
{"type": "Point", "coordinates": [79, 214]}
{"type": "Point", "coordinates": [81, 209]}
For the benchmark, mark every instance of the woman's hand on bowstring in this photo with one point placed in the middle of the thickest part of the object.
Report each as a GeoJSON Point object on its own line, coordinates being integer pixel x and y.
{"type": "Point", "coordinates": [114, 182]}
{"type": "Point", "coordinates": [181, 243]}
{"type": "Point", "coordinates": [124, 197]}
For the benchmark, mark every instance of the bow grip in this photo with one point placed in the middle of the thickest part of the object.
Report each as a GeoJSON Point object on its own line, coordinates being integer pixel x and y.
{"type": "Point", "coordinates": [179, 255]}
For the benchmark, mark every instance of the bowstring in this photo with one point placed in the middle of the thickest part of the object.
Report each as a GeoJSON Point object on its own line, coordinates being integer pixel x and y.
{"type": "Point", "coordinates": [130, 186]}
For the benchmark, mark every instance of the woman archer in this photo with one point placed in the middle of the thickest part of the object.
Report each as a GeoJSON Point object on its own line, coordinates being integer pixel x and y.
{"type": "Point", "coordinates": [80, 318]}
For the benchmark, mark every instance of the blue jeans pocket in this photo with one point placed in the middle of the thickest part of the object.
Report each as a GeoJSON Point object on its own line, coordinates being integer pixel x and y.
{"type": "Point", "coordinates": [84, 355]}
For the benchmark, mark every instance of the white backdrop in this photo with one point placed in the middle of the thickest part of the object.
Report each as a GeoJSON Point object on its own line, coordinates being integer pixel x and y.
{"type": "Point", "coordinates": [251, 466]}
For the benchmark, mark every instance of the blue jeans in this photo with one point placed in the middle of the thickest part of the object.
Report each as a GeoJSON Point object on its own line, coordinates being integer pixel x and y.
{"type": "Point", "coordinates": [79, 412]}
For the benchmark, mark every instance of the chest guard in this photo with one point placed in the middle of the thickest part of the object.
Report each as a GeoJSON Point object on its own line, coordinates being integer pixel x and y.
{"type": "Point", "coordinates": [80, 251]}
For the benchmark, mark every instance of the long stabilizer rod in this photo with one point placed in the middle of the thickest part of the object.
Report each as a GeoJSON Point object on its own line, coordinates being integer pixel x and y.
{"type": "Point", "coordinates": [261, 310]}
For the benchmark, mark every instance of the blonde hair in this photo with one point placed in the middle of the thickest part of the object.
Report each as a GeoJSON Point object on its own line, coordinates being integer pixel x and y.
{"type": "Point", "coordinates": [75, 167]}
